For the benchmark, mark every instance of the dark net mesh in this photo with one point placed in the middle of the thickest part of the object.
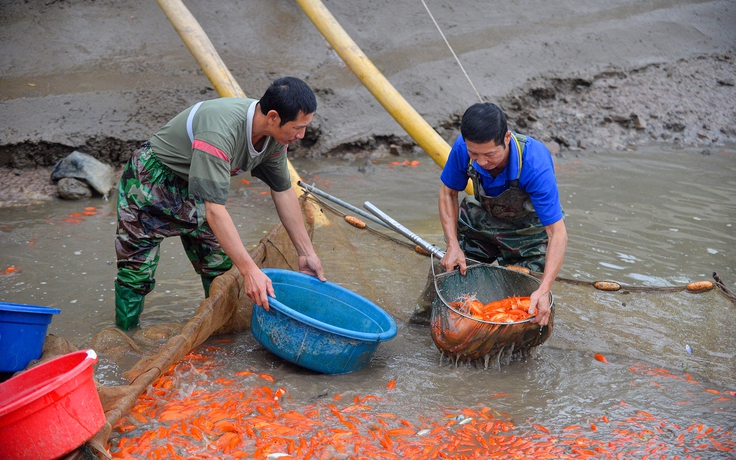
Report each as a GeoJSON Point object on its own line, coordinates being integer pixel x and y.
{"type": "Point", "coordinates": [464, 337]}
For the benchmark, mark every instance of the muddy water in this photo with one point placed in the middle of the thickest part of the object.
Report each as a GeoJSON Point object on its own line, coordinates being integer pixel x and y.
{"type": "Point", "coordinates": [649, 218]}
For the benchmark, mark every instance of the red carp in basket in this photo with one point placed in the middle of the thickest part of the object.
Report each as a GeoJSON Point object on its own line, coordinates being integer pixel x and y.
{"type": "Point", "coordinates": [508, 310]}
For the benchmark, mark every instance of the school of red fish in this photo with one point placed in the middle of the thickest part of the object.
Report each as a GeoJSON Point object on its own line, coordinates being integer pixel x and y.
{"type": "Point", "coordinates": [508, 310]}
{"type": "Point", "coordinates": [186, 415]}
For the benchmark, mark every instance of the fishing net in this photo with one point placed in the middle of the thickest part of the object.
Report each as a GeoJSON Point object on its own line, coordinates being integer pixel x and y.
{"type": "Point", "coordinates": [151, 352]}
{"type": "Point", "coordinates": [378, 267]}
{"type": "Point", "coordinates": [347, 253]}
{"type": "Point", "coordinates": [463, 337]}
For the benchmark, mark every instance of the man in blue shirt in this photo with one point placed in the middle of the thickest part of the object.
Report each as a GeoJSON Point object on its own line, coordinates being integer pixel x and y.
{"type": "Point", "coordinates": [515, 216]}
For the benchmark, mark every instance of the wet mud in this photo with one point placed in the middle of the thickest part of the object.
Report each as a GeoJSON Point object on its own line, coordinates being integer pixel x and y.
{"type": "Point", "coordinates": [101, 77]}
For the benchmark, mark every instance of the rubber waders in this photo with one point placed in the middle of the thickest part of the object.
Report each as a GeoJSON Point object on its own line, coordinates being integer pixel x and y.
{"type": "Point", "coordinates": [128, 307]}
{"type": "Point", "coordinates": [206, 283]}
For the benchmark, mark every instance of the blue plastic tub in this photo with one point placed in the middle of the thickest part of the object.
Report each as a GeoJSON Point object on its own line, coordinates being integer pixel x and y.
{"type": "Point", "coordinates": [22, 333]}
{"type": "Point", "coordinates": [319, 325]}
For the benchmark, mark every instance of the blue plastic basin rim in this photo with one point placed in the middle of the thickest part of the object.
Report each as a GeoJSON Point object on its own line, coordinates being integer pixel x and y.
{"type": "Point", "coordinates": [351, 334]}
{"type": "Point", "coordinates": [22, 308]}
{"type": "Point", "coordinates": [348, 333]}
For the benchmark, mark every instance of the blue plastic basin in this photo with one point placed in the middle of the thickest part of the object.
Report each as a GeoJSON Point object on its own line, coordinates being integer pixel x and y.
{"type": "Point", "coordinates": [22, 333]}
{"type": "Point", "coordinates": [319, 325]}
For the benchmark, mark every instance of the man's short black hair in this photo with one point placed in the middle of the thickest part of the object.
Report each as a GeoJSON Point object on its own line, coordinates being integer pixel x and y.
{"type": "Point", "coordinates": [288, 96]}
{"type": "Point", "coordinates": [484, 122]}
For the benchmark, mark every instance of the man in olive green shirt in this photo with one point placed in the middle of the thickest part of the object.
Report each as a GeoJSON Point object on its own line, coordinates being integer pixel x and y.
{"type": "Point", "coordinates": [177, 184]}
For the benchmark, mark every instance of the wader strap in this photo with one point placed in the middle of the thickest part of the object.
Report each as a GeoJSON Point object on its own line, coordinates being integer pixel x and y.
{"type": "Point", "coordinates": [190, 119]}
{"type": "Point", "coordinates": [519, 150]}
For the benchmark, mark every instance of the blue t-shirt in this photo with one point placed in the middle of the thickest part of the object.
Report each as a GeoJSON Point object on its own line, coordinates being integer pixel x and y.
{"type": "Point", "coordinates": [537, 176]}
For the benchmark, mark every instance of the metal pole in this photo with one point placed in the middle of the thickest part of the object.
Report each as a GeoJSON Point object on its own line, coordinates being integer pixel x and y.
{"type": "Point", "coordinates": [404, 231]}
{"type": "Point", "coordinates": [316, 191]}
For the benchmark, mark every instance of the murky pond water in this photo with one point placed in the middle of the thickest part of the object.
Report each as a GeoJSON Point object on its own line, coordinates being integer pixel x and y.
{"type": "Point", "coordinates": [648, 218]}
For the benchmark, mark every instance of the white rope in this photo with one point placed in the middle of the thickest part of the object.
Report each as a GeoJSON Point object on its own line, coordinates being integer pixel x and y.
{"type": "Point", "coordinates": [451, 50]}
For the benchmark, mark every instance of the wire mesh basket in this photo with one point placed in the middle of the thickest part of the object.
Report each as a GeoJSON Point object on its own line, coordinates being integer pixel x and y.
{"type": "Point", "coordinates": [466, 338]}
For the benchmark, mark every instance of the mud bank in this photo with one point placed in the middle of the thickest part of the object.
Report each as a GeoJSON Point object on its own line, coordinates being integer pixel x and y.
{"type": "Point", "coordinates": [102, 76]}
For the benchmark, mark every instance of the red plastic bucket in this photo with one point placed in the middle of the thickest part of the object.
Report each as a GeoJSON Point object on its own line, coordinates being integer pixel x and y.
{"type": "Point", "coordinates": [51, 409]}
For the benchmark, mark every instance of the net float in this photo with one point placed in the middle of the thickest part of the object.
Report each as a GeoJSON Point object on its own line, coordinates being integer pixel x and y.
{"type": "Point", "coordinates": [607, 285]}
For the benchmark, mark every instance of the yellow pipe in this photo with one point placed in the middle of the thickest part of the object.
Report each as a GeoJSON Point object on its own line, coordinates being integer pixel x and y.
{"type": "Point", "coordinates": [416, 126]}
{"type": "Point", "coordinates": [206, 55]}
{"type": "Point", "coordinates": [201, 48]}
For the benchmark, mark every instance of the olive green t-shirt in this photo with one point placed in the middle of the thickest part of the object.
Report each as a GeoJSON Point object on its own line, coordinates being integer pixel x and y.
{"type": "Point", "coordinates": [219, 147]}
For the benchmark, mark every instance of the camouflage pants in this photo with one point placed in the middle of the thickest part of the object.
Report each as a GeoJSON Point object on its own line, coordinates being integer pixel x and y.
{"type": "Point", "coordinates": [485, 239]}
{"type": "Point", "coordinates": [154, 203]}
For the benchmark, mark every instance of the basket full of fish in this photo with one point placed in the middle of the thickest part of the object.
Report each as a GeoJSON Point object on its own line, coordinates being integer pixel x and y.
{"type": "Point", "coordinates": [484, 315]}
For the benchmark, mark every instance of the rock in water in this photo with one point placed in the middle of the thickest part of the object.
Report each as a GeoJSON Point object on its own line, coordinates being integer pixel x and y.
{"type": "Point", "coordinates": [80, 165]}
{"type": "Point", "coordinates": [114, 344]}
{"type": "Point", "coordinates": [73, 189]}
